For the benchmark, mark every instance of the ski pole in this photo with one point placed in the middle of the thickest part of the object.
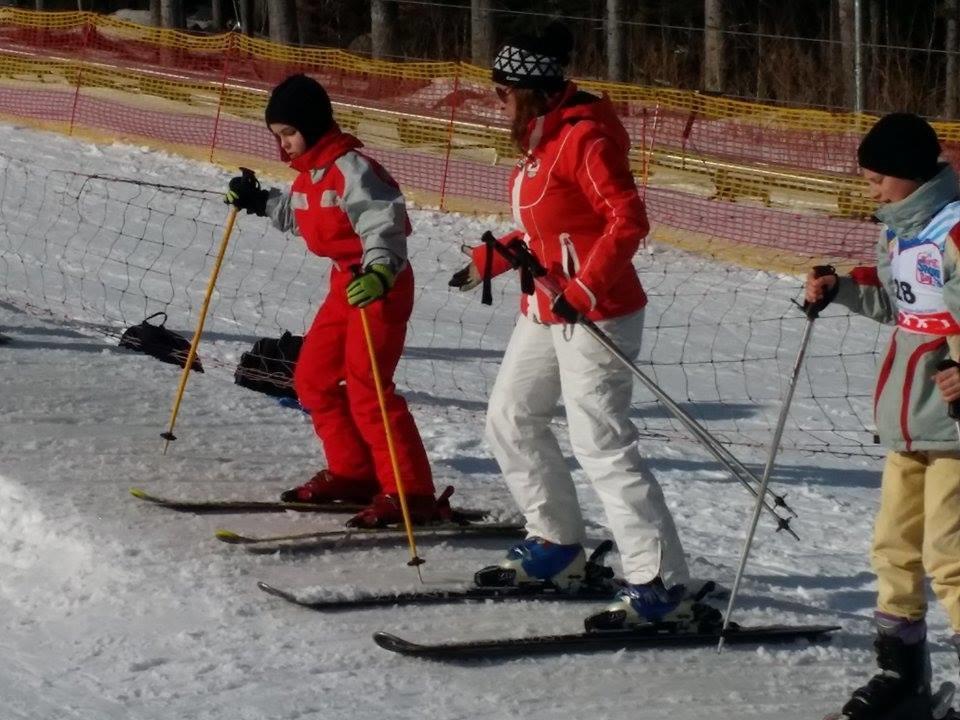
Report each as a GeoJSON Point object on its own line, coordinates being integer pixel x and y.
{"type": "Point", "coordinates": [519, 256]}
{"type": "Point", "coordinates": [168, 436]}
{"type": "Point", "coordinates": [532, 270]}
{"type": "Point", "coordinates": [953, 408]}
{"type": "Point", "coordinates": [415, 560]}
{"type": "Point", "coordinates": [812, 310]}
{"type": "Point", "coordinates": [692, 425]}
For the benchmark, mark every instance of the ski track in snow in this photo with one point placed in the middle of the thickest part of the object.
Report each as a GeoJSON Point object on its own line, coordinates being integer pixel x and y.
{"type": "Point", "coordinates": [110, 608]}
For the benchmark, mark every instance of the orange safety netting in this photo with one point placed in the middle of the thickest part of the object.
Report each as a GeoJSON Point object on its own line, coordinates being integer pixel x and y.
{"type": "Point", "coordinates": [761, 185]}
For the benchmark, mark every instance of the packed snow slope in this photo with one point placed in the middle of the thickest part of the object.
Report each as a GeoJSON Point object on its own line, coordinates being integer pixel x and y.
{"type": "Point", "coordinates": [110, 608]}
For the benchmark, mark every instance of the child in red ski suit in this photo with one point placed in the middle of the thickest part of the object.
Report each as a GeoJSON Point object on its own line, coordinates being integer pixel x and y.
{"type": "Point", "coordinates": [347, 208]}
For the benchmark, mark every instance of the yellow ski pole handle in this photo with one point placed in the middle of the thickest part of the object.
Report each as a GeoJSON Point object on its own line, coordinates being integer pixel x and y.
{"type": "Point", "coordinates": [227, 231]}
{"type": "Point", "coordinates": [415, 559]}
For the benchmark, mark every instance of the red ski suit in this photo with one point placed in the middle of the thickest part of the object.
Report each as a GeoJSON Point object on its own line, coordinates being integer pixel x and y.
{"type": "Point", "coordinates": [348, 208]}
{"type": "Point", "coordinates": [574, 197]}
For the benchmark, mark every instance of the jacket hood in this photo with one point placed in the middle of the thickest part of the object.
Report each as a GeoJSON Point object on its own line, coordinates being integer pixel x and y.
{"type": "Point", "coordinates": [325, 151]}
{"type": "Point", "coordinates": [909, 216]}
{"type": "Point", "coordinates": [574, 107]}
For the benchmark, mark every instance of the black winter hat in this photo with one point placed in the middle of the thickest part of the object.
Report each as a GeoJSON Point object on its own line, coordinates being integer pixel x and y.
{"type": "Point", "coordinates": [534, 61]}
{"type": "Point", "coordinates": [901, 145]}
{"type": "Point", "coordinates": [301, 102]}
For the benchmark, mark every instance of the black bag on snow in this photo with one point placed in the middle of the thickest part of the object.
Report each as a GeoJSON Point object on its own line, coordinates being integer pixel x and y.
{"type": "Point", "coordinates": [156, 340]}
{"type": "Point", "coordinates": [268, 366]}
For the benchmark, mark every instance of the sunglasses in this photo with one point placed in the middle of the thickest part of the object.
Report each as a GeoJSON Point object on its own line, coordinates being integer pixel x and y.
{"type": "Point", "coordinates": [503, 92]}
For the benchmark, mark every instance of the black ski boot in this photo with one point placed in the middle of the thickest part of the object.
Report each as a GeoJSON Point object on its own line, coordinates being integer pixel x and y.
{"type": "Point", "coordinates": [900, 691]}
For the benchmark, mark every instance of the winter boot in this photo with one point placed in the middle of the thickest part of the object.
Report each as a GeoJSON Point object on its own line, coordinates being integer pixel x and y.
{"type": "Point", "coordinates": [325, 487]}
{"type": "Point", "coordinates": [385, 510]}
{"type": "Point", "coordinates": [644, 604]}
{"type": "Point", "coordinates": [536, 561]}
{"type": "Point", "coordinates": [901, 690]}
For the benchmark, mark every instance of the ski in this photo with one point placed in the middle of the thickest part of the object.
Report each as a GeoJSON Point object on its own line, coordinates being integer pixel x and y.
{"type": "Point", "coordinates": [663, 635]}
{"type": "Point", "coordinates": [439, 597]}
{"type": "Point", "coordinates": [205, 507]}
{"type": "Point", "coordinates": [310, 540]}
{"type": "Point", "coordinates": [597, 585]}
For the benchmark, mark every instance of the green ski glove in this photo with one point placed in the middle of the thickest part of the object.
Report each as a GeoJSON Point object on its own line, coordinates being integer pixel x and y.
{"type": "Point", "coordinates": [372, 284]}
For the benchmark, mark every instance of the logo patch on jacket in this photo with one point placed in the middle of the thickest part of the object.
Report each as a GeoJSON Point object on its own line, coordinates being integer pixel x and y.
{"type": "Point", "coordinates": [928, 270]}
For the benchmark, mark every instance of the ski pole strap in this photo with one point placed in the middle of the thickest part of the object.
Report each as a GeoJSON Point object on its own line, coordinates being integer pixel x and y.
{"type": "Point", "coordinates": [530, 267]}
{"type": "Point", "coordinates": [490, 241]}
{"type": "Point", "coordinates": [519, 256]}
{"type": "Point", "coordinates": [251, 177]}
{"type": "Point", "coordinates": [953, 408]}
{"type": "Point", "coordinates": [813, 310]}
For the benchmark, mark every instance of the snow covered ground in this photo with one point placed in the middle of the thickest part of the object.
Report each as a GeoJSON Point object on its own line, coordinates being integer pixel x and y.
{"type": "Point", "coordinates": [113, 609]}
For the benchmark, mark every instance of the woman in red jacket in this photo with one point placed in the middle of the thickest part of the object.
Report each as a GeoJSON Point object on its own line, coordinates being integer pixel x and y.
{"type": "Point", "coordinates": [578, 210]}
{"type": "Point", "coordinates": [347, 208]}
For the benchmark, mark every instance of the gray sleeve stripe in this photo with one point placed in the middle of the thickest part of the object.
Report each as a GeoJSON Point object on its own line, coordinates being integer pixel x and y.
{"type": "Point", "coordinates": [376, 210]}
{"type": "Point", "coordinates": [280, 211]}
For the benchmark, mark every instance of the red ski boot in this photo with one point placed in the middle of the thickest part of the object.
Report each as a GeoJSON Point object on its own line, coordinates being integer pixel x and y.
{"type": "Point", "coordinates": [385, 510]}
{"type": "Point", "coordinates": [325, 487]}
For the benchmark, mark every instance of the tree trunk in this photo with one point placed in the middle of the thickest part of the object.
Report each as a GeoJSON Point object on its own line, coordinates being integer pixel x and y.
{"type": "Point", "coordinates": [950, 46]}
{"type": "Point", "coordinates": [713, 45]}
{"type": "Point", "coordinates": [246, 16]}
{"type": "Point", "coordinates": [383, 28]}
{"type": "Point", "coordinates": [307, 22]}
{"type": "Point", "coordinates": [845, 18]}
{"type": "Point", "coordinates": [216, 15]}
{"type": "Point", "coordinates": [761, 87]}
{"type": "Point", "coordinates": [156, 18]}
{"type": "Point", "coordinates": [261, 20]}
{"type": "Point", "coordinates": [171, 13]}
{"type": "Point", "coordinates": [282, 18]}
{"type": "Point", "coordinates": [616, 60]}
{"type": "Point", "coordinates": [872, 91]}
{"type": "Point", "coordinates": [481, 33]}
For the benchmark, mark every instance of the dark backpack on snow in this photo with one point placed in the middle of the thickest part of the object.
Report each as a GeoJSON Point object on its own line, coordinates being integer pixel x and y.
{"type": "Point", "coordinates": [268, 366]}
{"type": "Point", "coordinates": [159, 342]}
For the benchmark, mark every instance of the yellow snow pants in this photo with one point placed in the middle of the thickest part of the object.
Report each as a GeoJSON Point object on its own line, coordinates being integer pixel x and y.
{"type": "Point", "coordinates": [918, 529]}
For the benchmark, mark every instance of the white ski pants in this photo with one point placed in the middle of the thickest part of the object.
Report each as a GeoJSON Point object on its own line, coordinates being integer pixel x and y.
{"type": "Point", "coordinates": [542, 364]}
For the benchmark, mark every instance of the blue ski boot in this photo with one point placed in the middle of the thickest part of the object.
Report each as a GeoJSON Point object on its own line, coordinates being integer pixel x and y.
{"type": "Point", "coordinates": [652, 603]}
{"type": "Point", "coordinates": [536, 561]}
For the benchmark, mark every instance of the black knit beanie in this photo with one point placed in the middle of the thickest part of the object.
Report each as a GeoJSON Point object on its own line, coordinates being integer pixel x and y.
{"type": "Point", "coordinates": [534, 61]}
{"type": "Point", "coordinates": [301, 102]}
{"type": "Point", "coordinates": [901, 145]}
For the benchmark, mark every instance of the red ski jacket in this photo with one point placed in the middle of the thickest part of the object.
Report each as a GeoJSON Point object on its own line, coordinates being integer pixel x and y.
{"type": "Point", "coordinates": [576, 201]}
{"type": "Point", "coordinates": [344, 205]}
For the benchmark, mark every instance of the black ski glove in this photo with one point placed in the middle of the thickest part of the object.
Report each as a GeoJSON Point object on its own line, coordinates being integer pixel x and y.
{"type": "Point", "coordinates": [468, 277]}
{"type": "Point", "coordinates": [245, 193]}
{"type": "Point", "coordinates": [813, 310]}
{"type": "Point", "coordinates": [563, 309]}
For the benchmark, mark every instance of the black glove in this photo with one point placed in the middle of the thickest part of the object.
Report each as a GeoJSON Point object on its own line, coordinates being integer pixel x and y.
{"type": "Point", "coordinates": [813, 310]}
{"type": "Point", "coordinates": [245, 193]}
{"type": "Point", "coordinates": [466, 278]}
{"type": "Point", "coordinates": [563, 309]}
